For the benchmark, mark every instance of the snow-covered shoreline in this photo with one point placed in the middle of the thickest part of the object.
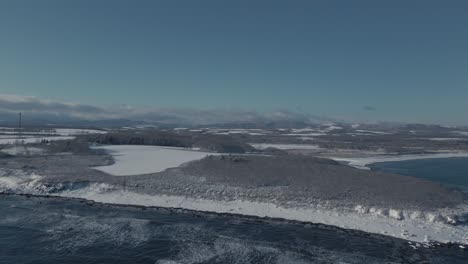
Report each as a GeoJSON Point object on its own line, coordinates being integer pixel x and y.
{"type": "Point", "coordinates": [386, 223]}
{"type": "Point", "coordinates": [412, 225]}
{"type": "Point", "coordinates": [364, 162]}
{"type": "Point", "coordinates": [440, 225]}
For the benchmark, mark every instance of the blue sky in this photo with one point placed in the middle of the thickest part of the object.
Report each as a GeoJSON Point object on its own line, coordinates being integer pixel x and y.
{"type": "Point", "coordinates": [365, 60]}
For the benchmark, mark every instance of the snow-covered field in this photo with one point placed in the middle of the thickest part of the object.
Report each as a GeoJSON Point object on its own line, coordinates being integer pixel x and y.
{"type": "Point", "coordinates": [9, 136]}
{"type": "Point", "coordinates": [414, 226]}
{"type": "Point", "coordinates": [373, 132]}
{"type": "Point", "coordinates": [363, 162]}
{"type": "Point", "coordinates": [463, 133]}
{"type": "Point", "coordinates": [283, 146]}
{"type": "Point", "coordinates": [252, 132]}
{"type": "Point", "coordinates": [316, 134]}
{"type": "Point", "coordinates": [136, 160]}
{"type": "Point", "coordinates": [332, 127]}
{"type": "Point", "coordinates": [31, 139]}
{"type": "Point", "coordinates": [75, 132]}
{"type": "Point", "coordinates": [304, 130]}
{"type": "Point", "coordinates": [327, 128]}
{"type": "Point", "coordinates": [446, 139]}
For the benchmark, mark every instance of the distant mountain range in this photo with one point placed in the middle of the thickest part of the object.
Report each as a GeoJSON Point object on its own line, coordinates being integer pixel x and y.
{"type": "Point", "coordinates": [39, 112]}
{"type": "Point", "coordinates": [30, 119]}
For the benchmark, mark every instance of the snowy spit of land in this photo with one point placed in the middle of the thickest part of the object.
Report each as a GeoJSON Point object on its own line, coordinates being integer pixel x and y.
{"type": "Point", "coordinates": [413, 225]}
{"type": "Point", "coordinates": [364, 162]}
{"type": "Point", "coordinates": [292, 187]}
{"type": "Point", "coordinates": [273, 184]}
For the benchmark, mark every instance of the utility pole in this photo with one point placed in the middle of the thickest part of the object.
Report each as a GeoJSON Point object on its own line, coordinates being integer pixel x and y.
{"type": "Point", "coordinates": [20, 125]}
{"type": "Point", "coordinates": [18, 141]}
{"type": "Point", "coordinates": [19, 122]}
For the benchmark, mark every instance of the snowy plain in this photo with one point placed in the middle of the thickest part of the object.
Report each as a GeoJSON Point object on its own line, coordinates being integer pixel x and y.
{"type": "Point", "coordinates": [262, 146]}
{"type": "Point", "coordinates": [446, 139]}
{"type": "Point", "coordinates": [79, 131]}
{"type": "Point", "coordinates": [463, 133]}
{"type": "Point", "coordinates": [136, 160]}
{"type": "Point", "coordinates": [316, 134]}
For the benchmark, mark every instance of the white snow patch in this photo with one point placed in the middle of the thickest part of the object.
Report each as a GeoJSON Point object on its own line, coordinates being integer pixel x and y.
{"type": "Point", "coordinates": [146, 126]}
{"type": "Point", "coordinates": [18, 181]}
{"type": "Point", "coordinates": [373, 132]}
{"type": "Point", "coordinates": [73, 131]}
{"type": "Point", "coordinates": [252, 132]}
{"type": "Point", "coordinates": [463, 133]}
{"type": "Point", "coordinates": [331, 127]}
{"type": "Point", "coordinates": [445, 139]}
{"type": "Point", "coordinates": [283, 146]}
{"type": "Point", "coordinates": [302, 130]}
{"type": "Point", "coordinates": [415, 229]}
{"type": "Point", "coordinates": [306, 138]}
{"type": "Point", "coordinates": [360, 134]}
{"type": "Point", "coordinates": [136, 160]}
{"type": "Point", "coordinates": [305, 134]}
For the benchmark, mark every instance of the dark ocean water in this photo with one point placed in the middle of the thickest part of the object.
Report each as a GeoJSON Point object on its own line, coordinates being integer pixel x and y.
{"type": "Point", "coordinates": [452, 172]}
{"type": "Point", "coordinates": [43, 230]}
